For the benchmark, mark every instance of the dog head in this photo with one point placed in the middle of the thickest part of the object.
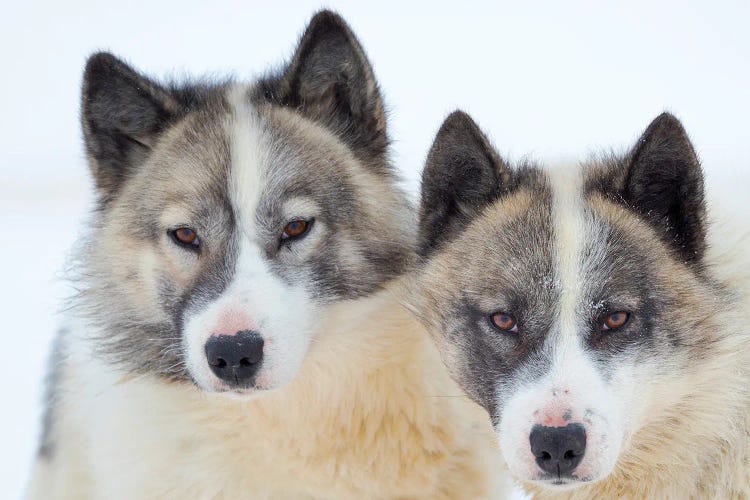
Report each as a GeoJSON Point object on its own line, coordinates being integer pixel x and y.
{"type": "Point", "coordinates": [231, 216]}
{"type": "Point", "coordinates": [571, 303]}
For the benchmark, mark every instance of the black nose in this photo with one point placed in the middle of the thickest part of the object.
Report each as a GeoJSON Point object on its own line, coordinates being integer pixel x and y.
{"type": "Point", "coordinates": [558, 450]}
{"type": "Point", "coordinates": [235, 358]}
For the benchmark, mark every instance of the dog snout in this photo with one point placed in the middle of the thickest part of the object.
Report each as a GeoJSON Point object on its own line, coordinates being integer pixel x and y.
{"type": "Point", "coordinates": [558, 450]}
{"type": "Point", "coordinates": [235, 359]}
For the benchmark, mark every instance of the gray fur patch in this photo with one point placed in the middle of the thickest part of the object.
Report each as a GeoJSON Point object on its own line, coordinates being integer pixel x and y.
{"type": "Point", "coordinates": [162, 159]}
{"type": "Point", "coordinates": [503, 259]}
{"type": "Point", "coordinates": [51, 395]}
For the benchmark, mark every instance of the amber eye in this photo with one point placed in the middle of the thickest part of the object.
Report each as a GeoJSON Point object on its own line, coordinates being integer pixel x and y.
{"type": "Point", "coordinates": [615, 320]}
{"type": "Point", "coordinates": [295, 229]}
{"type": "Point", "coordinates": [185, 236]}
{"type": "Point", "coordinates": [504, 321]}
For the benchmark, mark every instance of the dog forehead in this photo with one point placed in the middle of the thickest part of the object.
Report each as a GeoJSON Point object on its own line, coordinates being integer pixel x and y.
{"type": "Point", "coordinates": [244, 156]}
{"type": "Point", "coordinates": [554, 246]}
{"type": "Point", "coordinates": [277, 156]}
{"type": "Point", "coordinates": [553, 256]}
{"type": "Point", "coordinates": [505, 247]}
{"type": "Point", "coordinates": [192, 157]}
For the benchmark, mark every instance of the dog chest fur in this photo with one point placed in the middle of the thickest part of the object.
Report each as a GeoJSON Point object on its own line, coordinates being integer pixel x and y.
{"type": "Point", "coordinates": [371, 415]}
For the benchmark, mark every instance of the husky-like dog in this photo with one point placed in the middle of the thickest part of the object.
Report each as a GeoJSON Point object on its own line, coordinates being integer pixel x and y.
{"type": "Point", "coordinates": [236, 334]}
{"type": "Point", "coordinates": [597, 312]}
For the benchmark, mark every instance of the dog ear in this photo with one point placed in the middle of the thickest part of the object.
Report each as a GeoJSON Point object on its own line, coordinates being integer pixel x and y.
{"type": "Point", "coordinates": [463, 174]}
{"type": "Point", "coordinates": [331, 82]}
{"type": "Point", "coordinates": [664, 183]}
{"type": "Point", "coordinates": [122, 113]}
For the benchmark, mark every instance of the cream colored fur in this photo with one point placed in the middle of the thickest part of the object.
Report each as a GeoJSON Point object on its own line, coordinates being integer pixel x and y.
{"type": "Point", "coordinates": [372, 414]}
{"type": "Point", "coordinates": [699, 448]}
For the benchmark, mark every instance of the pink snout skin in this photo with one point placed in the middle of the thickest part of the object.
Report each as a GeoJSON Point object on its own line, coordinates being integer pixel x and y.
{"type": "Point", "coordinates": [232, 321]}
{"type": "Point", "coordinates": [556, 414]}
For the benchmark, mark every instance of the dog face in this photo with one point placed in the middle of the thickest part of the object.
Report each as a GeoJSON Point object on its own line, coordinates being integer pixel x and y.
{"type": "Point", "coordinates": [571, 303]}
{"type": "Point", "coordinates": [232, 216]}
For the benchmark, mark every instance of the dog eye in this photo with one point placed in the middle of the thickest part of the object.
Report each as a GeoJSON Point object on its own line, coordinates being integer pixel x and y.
{"type": "Point", "coordinates": [615, 320]}
{"type": "Point", "coordinates": [504, 322]}
{"type": "Point", "coordinates": [186, 237]}
{"type": "Point", "coordinates": [296, 229]}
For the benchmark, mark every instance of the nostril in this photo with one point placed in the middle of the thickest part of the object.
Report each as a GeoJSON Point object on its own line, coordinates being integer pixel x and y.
{"type": "Point", "coordinates": [558, 450]}
{"type": "Point", "coordinates": [235, 358]}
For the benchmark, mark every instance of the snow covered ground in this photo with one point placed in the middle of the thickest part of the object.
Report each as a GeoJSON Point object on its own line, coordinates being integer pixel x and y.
{"type": "Point", "coordinates": [546, 79]}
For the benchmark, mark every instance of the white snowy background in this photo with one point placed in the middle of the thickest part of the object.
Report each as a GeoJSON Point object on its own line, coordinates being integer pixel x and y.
{"type": "Point", "coordinates": [548, 79]}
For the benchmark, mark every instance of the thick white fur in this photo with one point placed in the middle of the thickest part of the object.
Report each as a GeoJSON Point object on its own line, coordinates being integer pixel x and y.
{"type": "Point", "coordinates": [689, 438]}
{"type": "Point", "coordinates": [573, 387]}
{"type": "Point", "coordinates": [372, 414]}
{"type": "Point", "coordinates": [256, 298]}
{"type": "Point", "coordinates": [356, 401]}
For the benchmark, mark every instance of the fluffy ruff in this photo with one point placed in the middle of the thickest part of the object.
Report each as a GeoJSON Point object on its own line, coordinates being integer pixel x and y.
{"type": "Point", "coordinates": [372, 414]}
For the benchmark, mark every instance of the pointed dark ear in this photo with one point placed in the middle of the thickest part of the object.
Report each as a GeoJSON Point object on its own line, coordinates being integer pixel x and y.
{"type": "Point", "coordinates": [331, 81]}
{"type": "Point", "coordinates": [122, 114]}
{"type": "Point", "coordinates": [463, 175]}
{"type": "Point", "coordinates": [665, 184]}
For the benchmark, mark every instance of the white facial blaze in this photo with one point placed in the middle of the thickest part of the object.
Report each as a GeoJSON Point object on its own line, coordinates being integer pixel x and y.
{"type": "Point", "coordinates": [573, 391]}
{"type": "Point", "coordinates": [256, 298]}
{"type": "Point", "coordinates": [249, 158]}
{"type": "Point", "coordinates": [570, 231]}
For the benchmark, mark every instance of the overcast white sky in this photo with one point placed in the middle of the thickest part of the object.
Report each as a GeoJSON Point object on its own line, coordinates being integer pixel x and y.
{"type": "Point", "coordinates": [551, 79]}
